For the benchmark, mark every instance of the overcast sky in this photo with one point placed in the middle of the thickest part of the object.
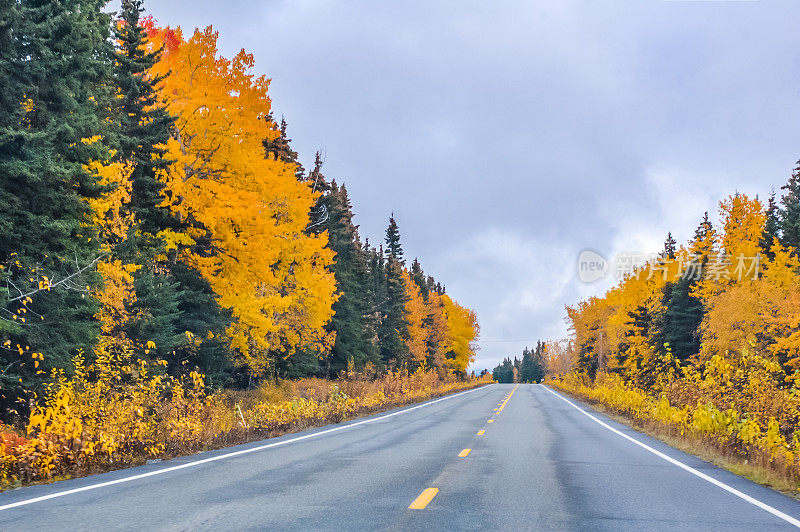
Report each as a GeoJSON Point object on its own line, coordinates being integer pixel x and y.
{"type": "Point", "coordinates": [509, 136]}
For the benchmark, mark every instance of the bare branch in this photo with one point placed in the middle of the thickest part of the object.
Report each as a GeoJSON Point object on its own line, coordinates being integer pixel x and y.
{"type": "Point", "coordinates": [66, 281]}
{"type": "Point", "coordinates": [323, 216]}
{"type": "Point", "coordinates": [10, 282]}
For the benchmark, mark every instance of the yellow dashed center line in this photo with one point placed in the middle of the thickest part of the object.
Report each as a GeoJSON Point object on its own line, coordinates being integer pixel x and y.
{"type": "Point", "coordinates": [424, 498]}
{"type": "Point", "coordinates": [502, 406]}
{"type": "Point", "coordinates": [428, 494]}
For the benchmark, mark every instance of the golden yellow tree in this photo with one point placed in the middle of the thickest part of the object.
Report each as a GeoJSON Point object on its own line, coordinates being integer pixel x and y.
{"type": "Point", "coordinates": [463, 331]}
{"type": "Point", "coordinates": [733, 260]}
{"type": "Point", "coordinates": [743, 224]}
{"type": "Point", "coordinates": [437, 332]}
{"type": "Point", "coordinates": [730, 287]}
{"type": "Point", "coordinates": [109, 215]}
{"type": "Point", "coordinates": [250, 210]}
{"type": "Point", "coordinates": [637, 297]}
{"type": "Point", "coordinates": [415, 315]}
{"type": "Point", "coordinates": [779, 307]}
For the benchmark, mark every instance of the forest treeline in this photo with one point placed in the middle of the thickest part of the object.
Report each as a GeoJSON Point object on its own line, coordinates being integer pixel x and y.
{"type": "Point", "coordinates": [705, 338]}
{"type": "Point", "coordinates": [531, 368]}
{"type": "Point", "coordinates": [153, 209]}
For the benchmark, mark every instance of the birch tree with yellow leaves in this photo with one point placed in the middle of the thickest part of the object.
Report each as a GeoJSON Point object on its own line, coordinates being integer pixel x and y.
{"type": "Point", "coordinates": [247, 213]}
{"type": "Point", "coordinates": [463, 331]}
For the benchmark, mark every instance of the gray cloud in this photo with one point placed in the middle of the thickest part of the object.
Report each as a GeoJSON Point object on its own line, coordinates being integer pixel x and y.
{"type": "Point", "coordinates": [509, 136]}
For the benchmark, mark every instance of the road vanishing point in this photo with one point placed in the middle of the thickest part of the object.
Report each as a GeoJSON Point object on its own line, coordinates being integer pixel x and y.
{"type": "Point", "coordinates": [500, 457]}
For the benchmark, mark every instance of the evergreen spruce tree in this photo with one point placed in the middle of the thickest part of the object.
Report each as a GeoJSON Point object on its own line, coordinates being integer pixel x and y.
{"type": "Point", "coordinates": [320, 213]}
{"type": "Point", "coordinates": [279, 147]}
{"type": "Point", "coordinates": [539, 362]}
{"type": "Point", "coordinates": [144, 123]}
{"type": "Point", "coordinates": [375, 293]}
{"type": "Point", "coordinates": [316, 179]}
{"type": "Point", "coordinates": [55, 74]}
{"type": "Point", "coordinates": [703, 244]}
{"type": "Point", "coordinates": [641, 320]}
{"type": "Point", "coordinates": [704, 229]}
{"type": "Point", "coordinates": [772, 227]}
{"type": "Point", "coordinates": [504, 372]}
{"type": "Point", "coordinates": [790, 212]}
{"type": "Point", "coordinates": [589, 349]}
{"type": "Point", "coordinates": [676, 328]}
{"type": "Point", "coordinates": [656, 329]}
{"type": "Point", "coordinates": [532, 365]}
{"type": "Point", "coordinates": [527, 370]}
{"type": "Point", "coordinates": [669, 247]}
{"type": "Point", "coordinates": [682, 319]}
{"type": "Point", "coordinates": [352, 321]}
{"type": "Point", "coordinates": [393, 246]}
{"type": "Point", "coordinates": [12, 78]}
{"type": "Point", "coordinates": [393, 328]}
{"type": "Point", "coordinates": [377, 285]}
{"type": "Point", "coordinates": [155, 315]}
{"type": "Point", "coordinates": [12, 111]}
{"type": "Point", "coordinates": [430, 284]}
{"type": "Point", "coordinates": [418, 276]}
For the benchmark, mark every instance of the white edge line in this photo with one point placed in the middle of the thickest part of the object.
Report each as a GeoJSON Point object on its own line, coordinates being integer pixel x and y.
{"type": "Point", "coordinates": [26, 502]}
{"type": "Point", "coordinates": [712, 480]}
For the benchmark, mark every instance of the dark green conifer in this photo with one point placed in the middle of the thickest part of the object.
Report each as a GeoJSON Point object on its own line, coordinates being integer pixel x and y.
{"type": "Point", "coordinates": [772, 227]}
{"type": "Point", "coordinates": [393, 246]}
{"type": "Point", "coordinates": [669, 247]}
{"type": "Point", "coordinates": [504, 372]}
{"type": "Point", "coordinates": [683, 316]}
{"type": "Point", "coordinates": [790, 212]}
{"type": "Point", "coordinates": [393, 326]}
{"type": "Point", "coordinates": [144, 123]}
{"type": "Point", "coordinates": [55, 72]}
{"type": "Point", "coordinates": [418, 276]}
{"type": "Point", "coordinates": [280, 148]}
{"type": "Point", "coordinates": [352, 321]}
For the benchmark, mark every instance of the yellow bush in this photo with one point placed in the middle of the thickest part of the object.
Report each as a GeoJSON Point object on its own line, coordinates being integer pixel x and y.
{"type": "Point", "coordinates": [117, 412]}
{"type": "Point", "coordinates": [757, 413]}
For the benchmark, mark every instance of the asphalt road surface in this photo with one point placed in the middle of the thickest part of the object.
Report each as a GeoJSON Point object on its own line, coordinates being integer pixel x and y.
{"type": "Point", "coordinates": [499, 457]}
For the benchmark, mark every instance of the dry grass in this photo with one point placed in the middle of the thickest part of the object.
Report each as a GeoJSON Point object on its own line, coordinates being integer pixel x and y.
{"type": "Point", "coordinates": [89, 425]}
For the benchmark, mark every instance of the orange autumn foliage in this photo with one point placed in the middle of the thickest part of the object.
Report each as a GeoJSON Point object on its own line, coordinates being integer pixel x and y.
{"type": "Point", "coordinates": [249, 224]}
{"type": "Point", "coordinates": [271, 274]}
{"type": "Point", "coordinates": [463, 331]}
{"type": "Point", "coordinates": [416, 312]}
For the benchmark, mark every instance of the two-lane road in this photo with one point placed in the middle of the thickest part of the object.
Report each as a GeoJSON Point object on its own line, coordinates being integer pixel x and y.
{"type": "Point", "coordinates": [542, 462]}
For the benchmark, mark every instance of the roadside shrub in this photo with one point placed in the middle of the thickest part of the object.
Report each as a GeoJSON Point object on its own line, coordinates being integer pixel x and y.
{"type": "Point", "coordinates": [118, 412]}
{"type": "Point", "coordinates": [738, 406]}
